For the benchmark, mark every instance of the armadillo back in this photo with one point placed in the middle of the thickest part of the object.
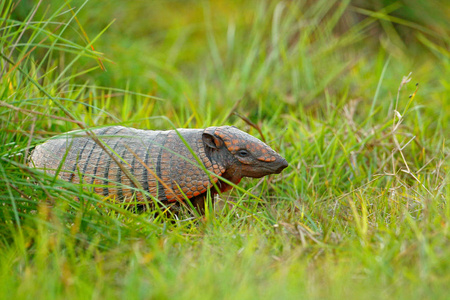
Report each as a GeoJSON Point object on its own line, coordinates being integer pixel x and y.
{"type": "Point", "coordinates": [148, 155]}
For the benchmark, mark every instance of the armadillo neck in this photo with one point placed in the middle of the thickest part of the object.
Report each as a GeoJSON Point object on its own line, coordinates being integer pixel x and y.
{"type": "Point", "coordinates": [184, 173]}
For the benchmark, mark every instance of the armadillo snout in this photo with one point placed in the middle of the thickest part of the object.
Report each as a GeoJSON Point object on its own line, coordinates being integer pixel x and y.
{"type": "Point", "coordinates": [283, 164]}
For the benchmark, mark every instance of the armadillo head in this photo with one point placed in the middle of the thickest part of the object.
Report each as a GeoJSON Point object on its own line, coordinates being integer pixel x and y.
{"type": "Point", "coordinates": [241, 154]}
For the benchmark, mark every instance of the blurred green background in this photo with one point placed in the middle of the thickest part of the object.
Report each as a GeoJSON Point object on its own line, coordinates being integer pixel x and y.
{"type": "Point", "coordinates": [292, 53]}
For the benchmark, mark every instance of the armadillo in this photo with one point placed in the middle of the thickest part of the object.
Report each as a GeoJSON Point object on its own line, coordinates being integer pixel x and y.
{"type": "Point", "coordinates": [160, 161]}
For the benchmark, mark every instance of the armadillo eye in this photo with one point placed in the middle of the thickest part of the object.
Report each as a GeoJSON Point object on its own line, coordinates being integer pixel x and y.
{"type": "Point", "coordinates": [243, 153]}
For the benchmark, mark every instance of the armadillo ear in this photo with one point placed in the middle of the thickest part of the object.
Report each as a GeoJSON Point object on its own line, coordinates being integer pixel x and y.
{"type": "Point", "coordinates": [212, 140]}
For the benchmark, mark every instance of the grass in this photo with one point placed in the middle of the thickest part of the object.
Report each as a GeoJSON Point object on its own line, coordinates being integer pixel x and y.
{"type": "Point", "coordinates": [362, 211]}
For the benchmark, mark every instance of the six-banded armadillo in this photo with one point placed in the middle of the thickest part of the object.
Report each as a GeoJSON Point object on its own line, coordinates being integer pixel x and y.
{"type": "Point", "coordinates": [159, 161]}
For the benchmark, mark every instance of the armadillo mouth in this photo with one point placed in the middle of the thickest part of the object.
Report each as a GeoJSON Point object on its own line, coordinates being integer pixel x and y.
{"type": "Point", "coordinates": [283, 165]}
{"type": "Point", "coordinates": [272, 168]}
{"type": "Point", "coordinates": [278, 167]}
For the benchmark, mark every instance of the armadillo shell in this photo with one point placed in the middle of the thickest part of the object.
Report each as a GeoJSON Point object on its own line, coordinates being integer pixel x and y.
{"type": "Point", "coordinates": [146, 154]}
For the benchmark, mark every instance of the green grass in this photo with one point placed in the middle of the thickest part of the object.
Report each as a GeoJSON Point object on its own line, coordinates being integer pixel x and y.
{"type": "Point", "coordinates": [362, 211]}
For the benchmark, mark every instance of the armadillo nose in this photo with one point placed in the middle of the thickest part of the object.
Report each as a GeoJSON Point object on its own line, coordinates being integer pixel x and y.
{"type": "Point", "coordinates": [283, 165]}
